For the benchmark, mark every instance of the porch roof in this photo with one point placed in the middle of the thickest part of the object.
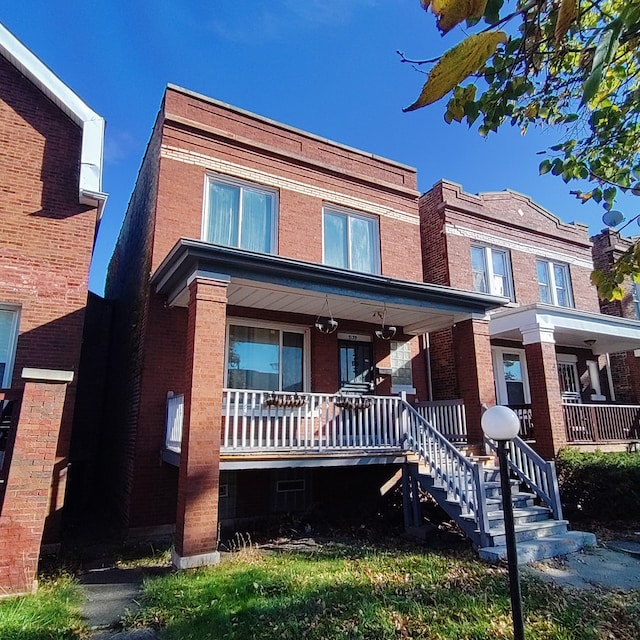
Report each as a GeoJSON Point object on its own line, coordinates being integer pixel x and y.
{"type": "Point", "coordinates": [285, 285]}
{"type": "Point", "coordinates": [571, 327]}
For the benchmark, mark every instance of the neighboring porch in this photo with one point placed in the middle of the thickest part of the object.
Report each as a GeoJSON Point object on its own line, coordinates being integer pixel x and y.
{"type": "Point", "coordinates": [552, 366]}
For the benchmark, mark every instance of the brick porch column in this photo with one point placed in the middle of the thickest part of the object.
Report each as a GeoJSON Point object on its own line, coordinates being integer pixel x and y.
{"type": "Point", "coordinates": [29, 482]}
{"type": "Point", "coordinates": [197, 517]}
{"type": "Point", "coordinates": [546, 400]}
{"type": "Point", "coordinates": [474, 367]}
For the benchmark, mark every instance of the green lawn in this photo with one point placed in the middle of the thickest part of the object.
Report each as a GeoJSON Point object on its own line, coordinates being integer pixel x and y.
{"type": "Point", "coordinates": [366, 593]}
{"type": "Point", "coordinates": [53, 613]}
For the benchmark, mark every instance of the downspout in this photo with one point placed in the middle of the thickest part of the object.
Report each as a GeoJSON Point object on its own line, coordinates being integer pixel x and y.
{"type": "Point", "coordinates": [426, 347]}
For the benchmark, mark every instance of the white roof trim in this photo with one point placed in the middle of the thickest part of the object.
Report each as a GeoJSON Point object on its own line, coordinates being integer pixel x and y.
{"type": "Point", "coordinates": [571, 327]}
{"type": "Point", "coordinates": [90, 184]}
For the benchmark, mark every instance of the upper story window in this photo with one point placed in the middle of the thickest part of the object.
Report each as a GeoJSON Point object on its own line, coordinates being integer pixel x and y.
{"type": "Point", "coordinates": [8, 340]}
{"type": "Point", "coordinates": [635, 296]}
{"type": "Point", "coordinates": [351, 241]}
{"type": "Point", "coordinates": [554, 283]}
{"type": "Point", "coordinates": [265, 358]}
{"type": "Point", "coordinates": [240, 215]}
{"type": "Point", "coordinates": [491, 271]}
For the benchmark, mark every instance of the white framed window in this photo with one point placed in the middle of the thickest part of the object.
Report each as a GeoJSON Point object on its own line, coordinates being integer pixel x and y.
{"type": "Point", "coordinates": [554, 283]}
{"type": "Point", "coordinates": [350, 240]}
{"type": "Point", "coordinates": [635, 297]}
{"type": "Point", "coordinates": [510, 374]}
{"type": "Point", "coordinates": [491, 271]}
{"type": "Point", "coordinates": [239, 214]}
{"type": "Point", "coordinates": [9, 323]}
{"type": "Point", "coordinates": [401, 370]}
{"type": "Point", "coordinates": [266, 356]}
{"type": "Point", "coordinates": [568, 377]}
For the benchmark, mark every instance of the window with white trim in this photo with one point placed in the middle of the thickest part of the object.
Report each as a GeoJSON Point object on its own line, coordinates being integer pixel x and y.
{"type": "Point", "coordinates": [510, 375]}
{"type": "Point", "coordinates": [8, 340]}
{"type": "Point", "coordinates": [635, 297]}
{"type": "Point", "coordinates": [241, 215]}
{"type": "Point", "coordinates": [491, 271]}
{"type": "Point", "coordinates": [350, 241]}
{"type": "Point", "coordinates": [266, 358]}
{"type": "Point", "coordinates": [554, 283]}
{"type": "Point", "coordinates": [401, 370]}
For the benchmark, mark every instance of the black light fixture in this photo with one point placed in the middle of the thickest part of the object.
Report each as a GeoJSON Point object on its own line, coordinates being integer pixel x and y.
{"type": "Point", "coordinates": [385, 332]}
{"type": "Point", "coordinates": [325, 323]}
{"type": "Point", "coordinates": [590, 343]}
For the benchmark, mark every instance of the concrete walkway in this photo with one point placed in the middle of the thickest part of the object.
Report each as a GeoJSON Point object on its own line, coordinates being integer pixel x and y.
{"type": "Point", "coordinates": [614, 565]}
{"type": "Point", "coordinates": [110, 594]}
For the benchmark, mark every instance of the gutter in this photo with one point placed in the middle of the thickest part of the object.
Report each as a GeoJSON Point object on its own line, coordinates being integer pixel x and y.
{"type": "Point", "coordinates": [92, 125]}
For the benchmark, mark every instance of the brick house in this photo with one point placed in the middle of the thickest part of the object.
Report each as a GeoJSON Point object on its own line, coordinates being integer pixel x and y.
{"type": "Point", "coordinates": [550, 345]}
{"type": "Point", "coordinates": [50, 202]}
{"type": "Point", "coordinates": [608, 246]}
{"type": "Point", "coordinates": [269, 310]}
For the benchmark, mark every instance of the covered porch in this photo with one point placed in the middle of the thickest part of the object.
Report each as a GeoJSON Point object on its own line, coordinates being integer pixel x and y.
{"type": "Point", "coordinates": [328, 394]}
{"type": "Point", "coordinates": [553, 367]}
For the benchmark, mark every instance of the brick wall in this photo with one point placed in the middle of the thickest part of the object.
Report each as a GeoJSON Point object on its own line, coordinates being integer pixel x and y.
{"type": "Point", "coordinates": [503, 220]}
{"type": "Point", "coordinates": [47, 238]}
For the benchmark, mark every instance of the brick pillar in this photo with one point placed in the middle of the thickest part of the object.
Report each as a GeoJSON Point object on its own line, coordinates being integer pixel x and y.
{"type": "Point", "coordinates": [29, 481]}
{"type": "Point", "coordinates": [472, 348]}
{"type": "Point", "coordinates": [546, 400]}
{"type": "Point", "coordinates": [197, 517]}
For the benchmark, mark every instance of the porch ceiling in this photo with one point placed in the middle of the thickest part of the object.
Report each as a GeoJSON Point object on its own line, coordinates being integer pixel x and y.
{"type": "Point", "coordinates": [571, 327]}
{"type": "Point", "coordinates": [284, 285]}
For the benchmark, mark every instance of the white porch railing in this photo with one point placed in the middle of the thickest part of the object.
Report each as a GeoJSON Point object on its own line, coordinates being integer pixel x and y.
{"type": "Point", "coordinates": [601, 422]}
{"type": "Point", "coordinates": [263, 421]}
{"type": "Point", "coordinates": [446, 416]}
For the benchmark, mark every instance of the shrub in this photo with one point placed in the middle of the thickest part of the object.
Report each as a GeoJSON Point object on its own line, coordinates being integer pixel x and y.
{"type": "Point", "coordinates": [599, 486]}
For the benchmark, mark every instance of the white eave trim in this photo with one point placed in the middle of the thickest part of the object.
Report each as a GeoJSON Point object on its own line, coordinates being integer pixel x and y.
{"type": "Point", "coordinates": [90, 184]}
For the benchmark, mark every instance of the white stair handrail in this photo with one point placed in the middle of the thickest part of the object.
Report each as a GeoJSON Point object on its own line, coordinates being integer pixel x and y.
{"type": "Point", "coordinates": [449, 468]}
{"type": "Point", "coordinates": [534, 471]}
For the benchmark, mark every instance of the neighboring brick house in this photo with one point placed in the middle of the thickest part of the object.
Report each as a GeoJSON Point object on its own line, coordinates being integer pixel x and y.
{"type": "Point", "coordinates": [244, 241]}
{"type": "Point", "coordinates": [550, 345]}
{"type": "Point", "coordinates": [50, 203]}
{"type": "Point", "coordinates": [608, 246]}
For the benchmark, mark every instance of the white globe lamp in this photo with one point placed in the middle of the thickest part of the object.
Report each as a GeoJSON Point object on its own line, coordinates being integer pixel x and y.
{"type": "Point", "coordinates": [500, 423]}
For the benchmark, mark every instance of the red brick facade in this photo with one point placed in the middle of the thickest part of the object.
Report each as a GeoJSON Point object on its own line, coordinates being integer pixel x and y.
{"type": "Point", "coordinates": [452, 222]}
{"type": "Point", "coordinates": [47, 239]}
{"type": "Point", "coordinates": [194, 138]}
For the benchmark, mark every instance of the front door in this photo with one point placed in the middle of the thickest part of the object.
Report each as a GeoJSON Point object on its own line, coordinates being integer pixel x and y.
{"type": "Point", "coordinates": [356, 366]}
{"type": "Point", "coordinates": [569, 380]}
{"type": "Point", "coordinates": [510, 374]}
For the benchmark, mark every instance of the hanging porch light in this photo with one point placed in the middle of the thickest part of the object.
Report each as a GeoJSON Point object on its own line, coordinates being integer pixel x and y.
{"type": "Point", "coordinates": [385, 332]}
{"type": "Point", "coordinates": [325, 322]}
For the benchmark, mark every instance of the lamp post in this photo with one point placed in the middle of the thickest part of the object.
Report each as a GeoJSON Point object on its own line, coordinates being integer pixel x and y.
{"type": "Point", "coordinates": [502, 424]}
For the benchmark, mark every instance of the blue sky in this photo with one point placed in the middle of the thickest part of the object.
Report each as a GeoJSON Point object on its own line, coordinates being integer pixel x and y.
{"type": "Point", "coordinates": [326, 66]}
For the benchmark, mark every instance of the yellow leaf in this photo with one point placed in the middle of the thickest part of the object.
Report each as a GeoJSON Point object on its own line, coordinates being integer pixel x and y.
{"type": "Point", "coordinates": [425, 4]}
{"type": "Point", "coordinates": [457, 64]}
{"type": "Point", "coordinates": [567, 13]}
{"type": "Point", "coordinates": [452, 12]}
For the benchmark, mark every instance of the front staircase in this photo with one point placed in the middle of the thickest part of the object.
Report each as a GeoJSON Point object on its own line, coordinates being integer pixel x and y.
{"type": "Point", "coordinates": [467, 487]}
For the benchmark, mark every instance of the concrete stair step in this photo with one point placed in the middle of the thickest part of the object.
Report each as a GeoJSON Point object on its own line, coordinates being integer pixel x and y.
{"type": "Point", "coordinates": [530, 531]}
{"type": "Point", "coordinates": [521, 516]}
{"type": "Point", "coordinates": [541, 548]}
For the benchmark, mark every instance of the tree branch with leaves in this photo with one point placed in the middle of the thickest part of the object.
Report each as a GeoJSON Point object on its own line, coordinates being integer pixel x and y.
{"type": "Point", "coordinates": [570, 64]}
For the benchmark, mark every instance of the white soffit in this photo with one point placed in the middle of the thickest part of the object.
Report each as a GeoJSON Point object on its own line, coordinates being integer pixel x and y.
{"type": "Point", "coordinates": [93, 125]}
